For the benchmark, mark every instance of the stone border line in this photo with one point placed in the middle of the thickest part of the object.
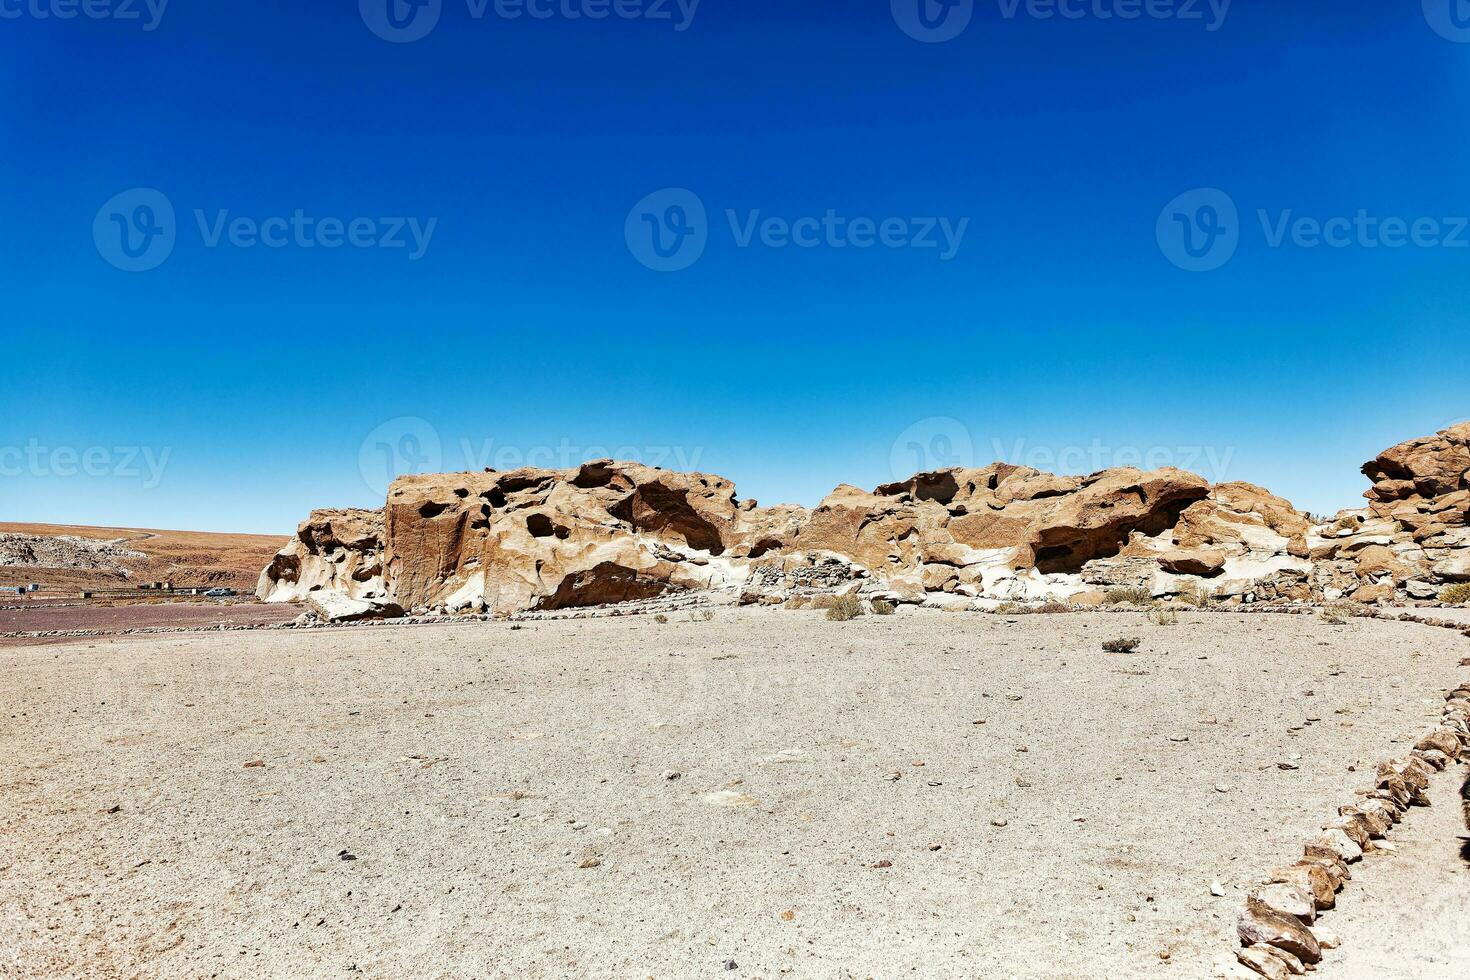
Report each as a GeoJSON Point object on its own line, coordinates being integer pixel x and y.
{"type": "Point", "coordinates": [1275, 928]}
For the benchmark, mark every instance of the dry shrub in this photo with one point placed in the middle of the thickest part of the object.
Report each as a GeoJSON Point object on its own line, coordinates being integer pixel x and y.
{"type": "Point", "coordinates": [1012, 609]}
{"type": "Point", "coordinates": [660, 619]}
{"type": "Point", "coordinates": [847, 607]}
{"type": "Point", "coordinates": [1337, 613]}
{"type": "Point", "coordinates": [1123, 645]}
{"type": "Point", "coordinates": [1131, 595]}
{"type": "Point", "coordinates": [1163, 617]}
{"type": "Point", "coordinates": [1197, 596]}
{"type": "Point", "coordinates": [1052, 606]}
{"type": "Point", "coordinates": [1457, 594]}
{"type": "Point", "coordinates": [882, 607]}
{"type": "Point", "coordinates": [702, 616]}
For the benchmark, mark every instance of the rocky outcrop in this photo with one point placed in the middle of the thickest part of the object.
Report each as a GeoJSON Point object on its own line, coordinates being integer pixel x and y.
{"type": "Point", "coordinates": [604, 532]}
{"type": "Point", "coordinates": [609, 532]}
{"type": "Point", "coordinates": [1413, 538]}
{"type": "Point", "coordinates": [334, 551]}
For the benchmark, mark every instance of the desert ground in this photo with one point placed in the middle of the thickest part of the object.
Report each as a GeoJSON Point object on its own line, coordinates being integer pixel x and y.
{"type": "Point", "coordinates": [191, 558]}
{"type": "Point", "coordinates": [763, 794]}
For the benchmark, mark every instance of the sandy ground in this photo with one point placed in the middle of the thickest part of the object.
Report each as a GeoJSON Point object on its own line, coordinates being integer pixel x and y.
{"type": "Point", "coordinates": [428, 796]}
{"type": "Point", "coordinates": [1414, 902]}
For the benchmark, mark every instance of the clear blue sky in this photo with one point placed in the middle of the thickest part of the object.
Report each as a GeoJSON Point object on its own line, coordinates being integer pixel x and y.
{"type": "Point", "coordinates": [251, 377]}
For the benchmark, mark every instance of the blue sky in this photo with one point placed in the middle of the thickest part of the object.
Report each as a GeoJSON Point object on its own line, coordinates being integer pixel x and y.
{"type": "Point", "coordinates": [236, 384]}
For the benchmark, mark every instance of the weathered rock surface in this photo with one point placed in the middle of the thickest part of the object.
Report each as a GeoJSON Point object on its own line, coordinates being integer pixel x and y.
{"type": "Point", "coordinates": [610, 532]}
{"type": "Point", "coordinates": [1412, 539]}
{"type": "Point", "coordinates": [334, 551]}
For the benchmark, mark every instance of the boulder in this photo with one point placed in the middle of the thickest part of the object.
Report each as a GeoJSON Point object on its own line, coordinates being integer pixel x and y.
{"type": "Point", "coordinates": [1203, 563]}
{"type": "Point", "coordinates": [333, 607]}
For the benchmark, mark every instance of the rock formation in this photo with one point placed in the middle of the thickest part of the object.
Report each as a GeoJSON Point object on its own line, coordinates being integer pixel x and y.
{"type": "Point", "coordinates": [1413, 538]}
{"type": "Point", "coordinates": [609, 532]}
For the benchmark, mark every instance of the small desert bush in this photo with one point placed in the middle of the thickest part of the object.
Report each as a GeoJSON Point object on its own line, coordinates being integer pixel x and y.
{"type": "Point", "coordinates": [1131, 595]}
{"type": "Point", "coordinates": [1197, 596]}
{"type": "Point", "coordinates": [1123, 645]}
{"type": "Point", "coordinates": [660, 619]}
{"type": "Point", "coordinates": [1053, 606]}
{"type": "Point", "coordinates": [1457, 594]}
{"type": "Point", "coordinates": [1345, 524]}
{"type": "Point", "coordinates": [1012, 609]}
{"type": "Point", "coordinates": [1163, 617]}
{"type": "Point", "coordinates": [1337, 613]}
{"type": "Point", "coordinates": [882, 607]}
{"type": "Point", "coordinates": [845, 608]}
{"type": "Point", "coordinates": [702, 616]}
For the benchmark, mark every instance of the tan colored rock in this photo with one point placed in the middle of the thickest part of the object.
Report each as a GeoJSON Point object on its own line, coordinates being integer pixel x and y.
{"type": "Point", "coordinates": [332, 607]}
{"type": "Point", "coordinates": [1443, 740]}
{"type": "Point", "coordinates": [1206, 563]}
{"type": "Point", "coordinates": [335, 551]}
{"type": "Point", "coordinates": [1340, 844]}
{"type": "Point", "coordinates": [1261, 959]}
{"type": "Point", "coordinates": [1260, 924]}
{"type": "Point", "coordinates": [1288, 899]}
{"type": "Point", "coordinates": [1314, 879]}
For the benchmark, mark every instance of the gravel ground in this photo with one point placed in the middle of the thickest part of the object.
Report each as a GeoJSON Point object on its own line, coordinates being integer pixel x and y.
{"type": "Point", "coordinates": [484, 800]}
{"type": "Point", "coordinates": [164, 615]}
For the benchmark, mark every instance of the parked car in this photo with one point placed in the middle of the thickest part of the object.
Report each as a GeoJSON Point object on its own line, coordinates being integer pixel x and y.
{"type": "Point", "coordinates": [220, 593]}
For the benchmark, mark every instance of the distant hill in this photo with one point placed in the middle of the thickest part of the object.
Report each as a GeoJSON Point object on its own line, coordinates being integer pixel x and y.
{"type": "Point", "coordinates": [66, 556]}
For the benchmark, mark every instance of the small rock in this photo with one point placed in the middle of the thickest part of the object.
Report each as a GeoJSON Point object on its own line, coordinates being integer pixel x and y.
{"type": "Point", "coordinates": [1217, 889]}
{"type": "Point", "coordinates": [672, 774]}
{"type": "Point", "coordinates": [591, 863]}
{"type": "Point", "coordinates": [999, 822]}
